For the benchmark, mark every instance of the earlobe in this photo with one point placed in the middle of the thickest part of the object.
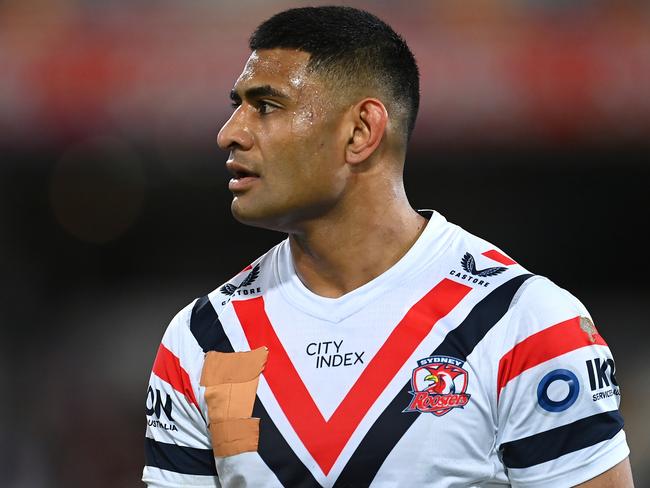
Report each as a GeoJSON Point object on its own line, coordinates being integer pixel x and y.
{"type": "Point", "coordinates": [370, 120]}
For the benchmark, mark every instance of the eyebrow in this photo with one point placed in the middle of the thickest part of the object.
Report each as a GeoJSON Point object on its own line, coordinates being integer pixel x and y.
{"type": "Point", "coordinates": [258, 92]}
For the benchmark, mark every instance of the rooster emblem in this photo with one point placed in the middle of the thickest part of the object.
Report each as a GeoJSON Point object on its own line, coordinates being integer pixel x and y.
{"type": "Point", "coordinates": [441, 383]}
{"type": "Point", "coordinates": [438, 385]}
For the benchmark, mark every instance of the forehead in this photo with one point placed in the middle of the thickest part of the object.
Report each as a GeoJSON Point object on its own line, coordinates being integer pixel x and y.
{"type": "Point", "coordinates": [276, 67]}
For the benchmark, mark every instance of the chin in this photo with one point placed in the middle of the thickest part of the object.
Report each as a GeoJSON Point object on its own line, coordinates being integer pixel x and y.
{"type": "Point", "coordinates": [252, 215]}
{"type": "Point", "coordinates": [279, 220]}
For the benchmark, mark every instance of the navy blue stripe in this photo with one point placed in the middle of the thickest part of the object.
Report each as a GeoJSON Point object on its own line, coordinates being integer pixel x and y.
{"type": "Point", "coordinates": [206, 327]}
{"type": "Point", "coordinates": [391, 425]}
{"type": "Point", "coordinates": [557, 442]}
{"type": "Point", "coordinates": [185, 460]}
{"type": "Point", "coordinates": [279, 456]}
{"type": "Point", "coordinates": [273, 448]}
{"type": "Point", "coordinates": [461, 341]}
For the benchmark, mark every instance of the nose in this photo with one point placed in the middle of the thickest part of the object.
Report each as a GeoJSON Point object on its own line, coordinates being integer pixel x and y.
{"type": "Point", "coordinates": [235, 133]}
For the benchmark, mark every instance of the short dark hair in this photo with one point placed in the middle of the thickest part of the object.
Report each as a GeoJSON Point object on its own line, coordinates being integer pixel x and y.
{"type": "Point", "coordinates": [353, 46]}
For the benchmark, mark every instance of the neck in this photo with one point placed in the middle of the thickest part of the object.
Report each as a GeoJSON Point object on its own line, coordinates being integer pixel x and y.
{"type": "Point", "coordinates": [346, 249]}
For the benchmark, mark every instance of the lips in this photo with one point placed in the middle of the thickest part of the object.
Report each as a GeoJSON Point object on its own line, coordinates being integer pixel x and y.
{"type": "Point", "coordinates": [243, 177]}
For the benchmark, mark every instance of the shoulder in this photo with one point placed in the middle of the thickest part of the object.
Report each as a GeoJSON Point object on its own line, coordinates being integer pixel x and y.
{"type": "Point", "coordinates": [250, 281]}
{"type": "Point", "coordinates": [479, 263]}
{"type": "Point", "coordinates": [535, 303]}
{"type": "Point", "coordinates": [537, 296]}
{"type": "Point", "coordinates": [544, 322]}
{"type": "Point", "coordinates": [177, 337]}
{"type": "Point", "coordinates": [540, 304]}
{"type": "Point", "coordinates": [197, 328]}
{"type": "Point", "coordinates": [480, 251]}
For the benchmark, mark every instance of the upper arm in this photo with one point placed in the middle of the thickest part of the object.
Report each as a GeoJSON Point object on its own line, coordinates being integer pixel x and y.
{"type": "Point", "coordinates": [558, 418]}
{"type": "Point", "coordinates": [178, 450]}
{"type": "Point", "coordinates": [620, 476]}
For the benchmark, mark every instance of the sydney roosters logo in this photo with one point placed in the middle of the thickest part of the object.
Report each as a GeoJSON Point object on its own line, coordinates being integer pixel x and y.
{"type": "Point", "coordinates": [438, 384]}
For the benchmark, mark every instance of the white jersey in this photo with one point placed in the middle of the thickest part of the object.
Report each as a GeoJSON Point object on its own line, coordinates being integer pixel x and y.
{"type": "Point", "coordinates": [456, 367]}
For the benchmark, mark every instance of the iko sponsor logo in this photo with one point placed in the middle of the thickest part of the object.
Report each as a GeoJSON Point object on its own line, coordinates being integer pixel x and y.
{"type": "Point", "coordinates": [244, 288]}
{"type": "Point", "coordinates": [329, 354]}
{"type": "Point", "coordinates": [602, 378]}
{"type": "Point", "coordinates": [558, 390]}
{"type": "Point", "coordinates": [155, 405]}
{"type": "Point", "coordinates": [473, 275]}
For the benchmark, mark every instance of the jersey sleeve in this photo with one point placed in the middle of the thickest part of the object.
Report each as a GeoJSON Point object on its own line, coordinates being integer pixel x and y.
{"type": "Point", "coordinates": [178, 451]}
{"type": "Point", "coordinates": [557, 393]}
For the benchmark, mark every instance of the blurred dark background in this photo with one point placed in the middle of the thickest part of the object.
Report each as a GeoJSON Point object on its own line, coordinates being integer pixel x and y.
{"type": "Point", "coordinates": [534, 133]}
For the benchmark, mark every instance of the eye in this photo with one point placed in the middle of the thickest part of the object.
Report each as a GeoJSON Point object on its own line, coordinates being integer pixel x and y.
{"type": "Point", "coordinates": [265, 108]}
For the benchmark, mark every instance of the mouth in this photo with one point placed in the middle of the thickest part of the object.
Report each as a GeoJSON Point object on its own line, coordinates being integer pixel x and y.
{"type": "Point", "coordinates": [242, 177]}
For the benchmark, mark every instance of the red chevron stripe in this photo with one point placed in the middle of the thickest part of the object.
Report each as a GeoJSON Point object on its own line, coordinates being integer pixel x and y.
{"type": "Point", "coordinates": [499, 257]}
{"type": "Point", "coordinates": [168, 368]}
{"type": "Point", "coordinates": [546, 344]}
{"type": "Point", "coordinates": [325, 439]}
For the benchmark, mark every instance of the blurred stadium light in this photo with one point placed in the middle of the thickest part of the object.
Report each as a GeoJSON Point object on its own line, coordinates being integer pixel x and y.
{"type": "Point", "coordinates": [497, 72]}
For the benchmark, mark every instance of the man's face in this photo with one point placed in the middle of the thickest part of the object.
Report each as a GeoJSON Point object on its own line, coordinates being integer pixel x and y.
{"type": "Point", "coordinates": [285, 141]}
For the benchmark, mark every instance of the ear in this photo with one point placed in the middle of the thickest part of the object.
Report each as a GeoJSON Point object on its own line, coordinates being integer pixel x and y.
{"type": "Point", "coordinates": [369, 124]}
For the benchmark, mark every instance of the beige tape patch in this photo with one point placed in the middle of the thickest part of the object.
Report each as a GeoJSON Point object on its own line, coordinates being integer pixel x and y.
{"type": "Point", "coordinates": [231, 381]}
{"type": "Point", "coordinates": [235, 436]}
{"type": "Point", "coordinates": [233, 367]}
{"type": "Point", "coordinates": [231, 400]}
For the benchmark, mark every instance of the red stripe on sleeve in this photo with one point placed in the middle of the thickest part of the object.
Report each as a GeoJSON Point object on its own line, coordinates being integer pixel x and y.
{"type": "Point", "coordinates": [168, 368]}
{"type": "Point", "coordinates": [547, 344]}
{"type": "Point", "coordinates": [499, 257]}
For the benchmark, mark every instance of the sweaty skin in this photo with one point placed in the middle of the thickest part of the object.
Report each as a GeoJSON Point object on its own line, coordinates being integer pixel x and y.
{"type": "Point", "coordinates": [281, 132]}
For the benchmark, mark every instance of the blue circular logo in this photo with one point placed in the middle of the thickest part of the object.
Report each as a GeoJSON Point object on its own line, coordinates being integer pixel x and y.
{"type": "Point", "coordinates": [558, 405]}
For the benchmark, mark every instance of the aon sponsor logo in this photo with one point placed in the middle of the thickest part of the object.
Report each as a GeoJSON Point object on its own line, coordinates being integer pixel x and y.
{"type": "Point", "coordinates": [157, 404]}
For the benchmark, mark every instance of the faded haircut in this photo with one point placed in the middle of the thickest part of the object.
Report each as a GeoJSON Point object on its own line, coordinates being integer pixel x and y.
{"type": "Point", "coordinates": [352, 49]}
